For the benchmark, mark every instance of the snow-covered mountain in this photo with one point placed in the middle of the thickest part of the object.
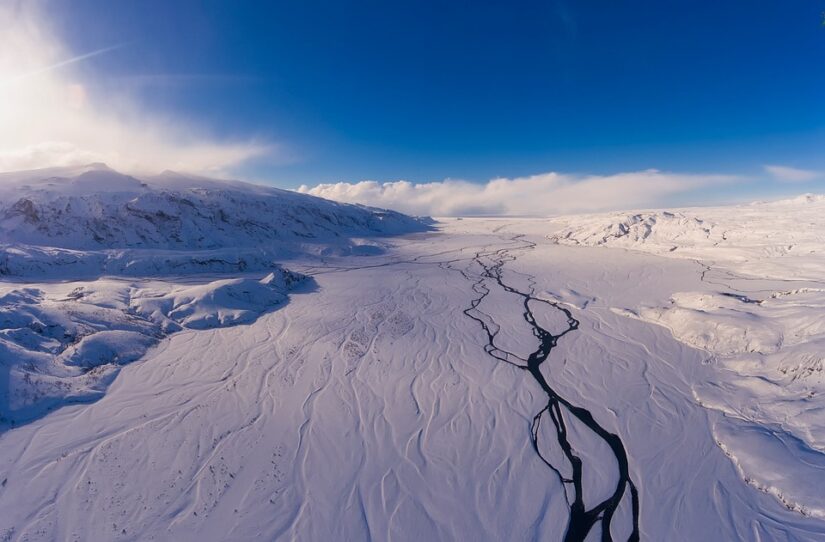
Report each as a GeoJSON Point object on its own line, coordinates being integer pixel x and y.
{"type": "Point", "coordinates": [90, 218]}
{"type": "Point", "coordinates": [95, 207]}
{"type": "Point", "coordinates": [65, 339]}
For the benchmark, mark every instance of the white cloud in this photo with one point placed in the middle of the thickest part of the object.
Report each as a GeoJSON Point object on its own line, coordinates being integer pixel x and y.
{"type": "Point", "coordinates": [537, 195]}
{"type": "Point", "coordinates": [48, 153]}
{"type": "Point", "coordinates": [50, 117]}
{"type": "Point", "coordinates": [787, 174]}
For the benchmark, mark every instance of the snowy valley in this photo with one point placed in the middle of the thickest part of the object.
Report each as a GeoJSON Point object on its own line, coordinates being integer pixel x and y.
{"type": "Point", "coordinates": [190, 359]}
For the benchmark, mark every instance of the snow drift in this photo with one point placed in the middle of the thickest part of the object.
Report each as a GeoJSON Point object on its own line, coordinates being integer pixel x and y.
{"type": "Point", "coordinates": [65, 342]}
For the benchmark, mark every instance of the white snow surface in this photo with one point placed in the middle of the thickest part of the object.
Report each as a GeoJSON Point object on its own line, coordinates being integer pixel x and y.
{"type": "Point", "coordinates": [760, 319]}
{"type": "Point", "coordinates": [64, 340]}
{"type": "Point", "coordinates": [778, 239]}
{"type": "Point", "coordinates": [366, 407]}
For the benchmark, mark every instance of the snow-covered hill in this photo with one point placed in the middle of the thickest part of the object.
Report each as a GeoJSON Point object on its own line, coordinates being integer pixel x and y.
{"type": "Point", "coordinates": [777, 239]}
{"type": "Point", "coordinates": [760, 320]}
{"type": "Point", "coordinates": [63, 340]}
{"type": "Point", "coordinates": [93, 219]}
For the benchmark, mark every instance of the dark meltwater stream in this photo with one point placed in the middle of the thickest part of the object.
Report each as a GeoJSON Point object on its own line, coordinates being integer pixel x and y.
{"type": "Point", "coordinates": [561, 412]}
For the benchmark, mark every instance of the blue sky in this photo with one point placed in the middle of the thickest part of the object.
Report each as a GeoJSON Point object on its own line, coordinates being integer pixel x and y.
{"type": "Point", "coordinates": [425, 91]}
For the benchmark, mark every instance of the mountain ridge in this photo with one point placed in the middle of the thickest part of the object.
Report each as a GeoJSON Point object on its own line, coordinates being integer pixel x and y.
{"type": "Point", "coordinates": [95, 207]}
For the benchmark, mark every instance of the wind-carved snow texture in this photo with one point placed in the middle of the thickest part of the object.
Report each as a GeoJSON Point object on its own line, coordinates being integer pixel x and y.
{"type": "Point", "coordinates": [761, 320]}
{"type": "Point", "coordinates": [65, 342]}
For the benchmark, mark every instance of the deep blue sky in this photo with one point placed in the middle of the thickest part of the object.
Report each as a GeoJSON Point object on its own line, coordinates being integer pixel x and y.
{"type": "Point", "coordinates": [426, 90]}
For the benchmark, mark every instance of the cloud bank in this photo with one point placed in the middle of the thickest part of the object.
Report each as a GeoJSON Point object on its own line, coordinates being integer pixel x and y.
{"type": "Point", "coordinates": [50, 117]}
{"type": "Point", "coordinates": [787, 174]}
{"type": "Point", "coordinates": [536, 195]}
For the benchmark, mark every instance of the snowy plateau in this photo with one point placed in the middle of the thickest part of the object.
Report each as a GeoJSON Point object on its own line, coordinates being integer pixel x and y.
{"type": "Point", "coordinates": [190, 359]}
